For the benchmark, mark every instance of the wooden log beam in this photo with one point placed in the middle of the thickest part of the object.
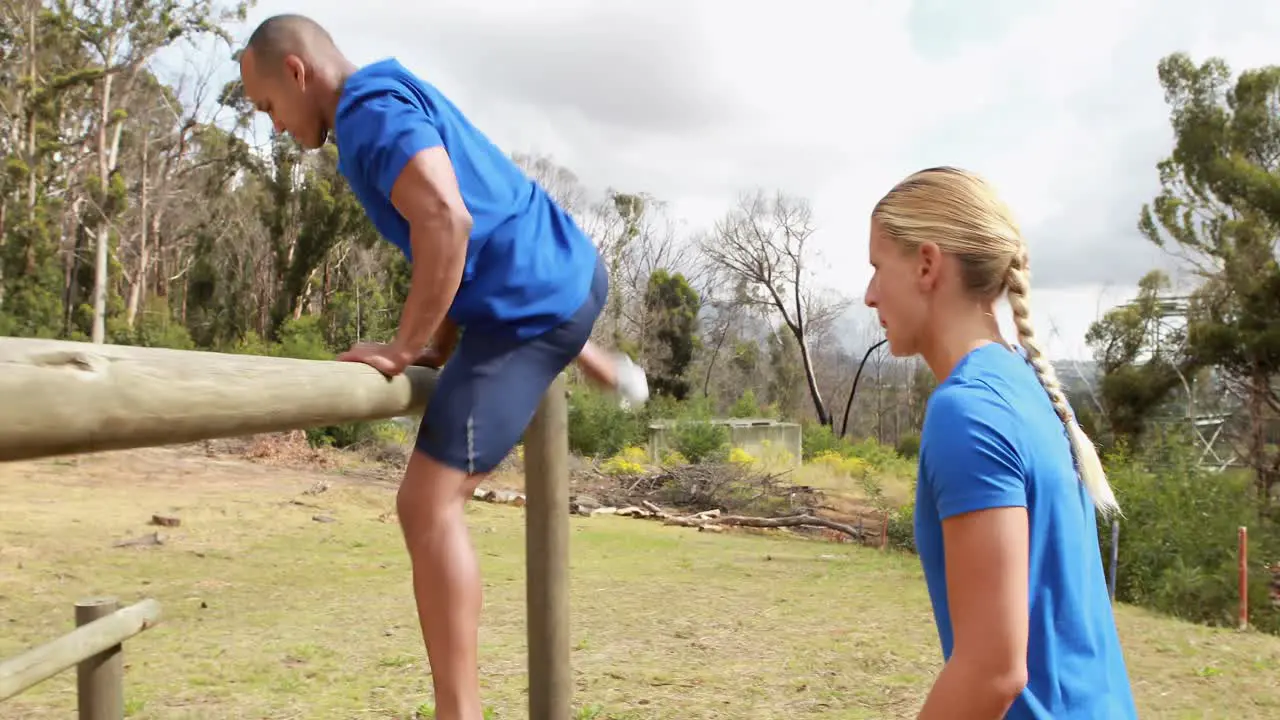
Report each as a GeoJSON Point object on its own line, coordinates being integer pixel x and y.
{"type": "Point", "coordinates": [43, 662]}
{"type": "Point", "coordinates": [59, 397]}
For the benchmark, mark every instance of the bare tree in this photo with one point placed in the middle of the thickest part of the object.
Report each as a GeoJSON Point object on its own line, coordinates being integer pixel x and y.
{"type": "Point", "coordinates": [557, 180]}
{"type": "Point", "coordinates": [763, 242]}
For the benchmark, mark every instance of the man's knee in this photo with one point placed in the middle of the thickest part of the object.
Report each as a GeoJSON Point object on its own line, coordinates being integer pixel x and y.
{"type": "Point", "coordinates": [431, 493]}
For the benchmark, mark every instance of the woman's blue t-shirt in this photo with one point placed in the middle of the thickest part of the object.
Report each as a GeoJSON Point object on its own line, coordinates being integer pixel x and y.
{"type": "Point", "coordinates": [992, 439]}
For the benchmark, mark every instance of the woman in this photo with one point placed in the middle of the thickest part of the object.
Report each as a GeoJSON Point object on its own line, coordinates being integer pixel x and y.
{"type": "Point", "coordinates": [1008, 483]}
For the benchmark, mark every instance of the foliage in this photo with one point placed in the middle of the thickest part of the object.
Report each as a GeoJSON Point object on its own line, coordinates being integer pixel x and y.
{"type": "Point", "coordinates": [700, 441]}
{"type": "Point", "coordinates": [1178, 535]}
{"type": "Point", "coordinates": [671, 306]}
{"type": "Point", "coordinates": [598, 427]}
{"type": "Point", "coordinates": [746, 406]}
{"type": "Point", "coordinates": [908, 445]}
{"type": "Point", "coordinates": [631, 461]}
{"type": "Point", "coordinates": [1219, 207]}
{"type": "Point", "coordinates": [1143, 359]}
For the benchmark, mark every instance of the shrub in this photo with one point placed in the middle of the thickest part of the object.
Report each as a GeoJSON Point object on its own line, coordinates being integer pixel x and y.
{"type": "Point", "coordinates": [738, 456]}
{"type": "Point", "coordinates": [700, 441]}
{"type": "Point", "coordinates": [816, 439]}
{"type": "Point", "coordinates": [901, 530]}
{"type": "Point", "coordinates": [909, 445]}
{"type": "Point", "coordinates": [598, 427]}
{"type": "Point", "coordinates": [834, 462]}
{"type": "Point", "coordinates": [673, 457]}
{"type": "Point", "coordinates": [1178, 549]}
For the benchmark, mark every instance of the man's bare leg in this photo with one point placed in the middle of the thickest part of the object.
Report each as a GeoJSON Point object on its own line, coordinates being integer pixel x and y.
{"type": "Point", "coordinates": [614, 371]}
{"type": "Point", "coordinates": [446, 580]}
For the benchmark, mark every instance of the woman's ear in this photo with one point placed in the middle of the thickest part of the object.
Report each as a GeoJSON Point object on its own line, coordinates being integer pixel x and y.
{"type": "Point", "coordinates": [928, 265]}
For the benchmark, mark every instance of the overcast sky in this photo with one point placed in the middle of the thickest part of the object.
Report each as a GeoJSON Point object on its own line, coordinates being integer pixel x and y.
{"type": "Point", "coordinates": [1056, 101]}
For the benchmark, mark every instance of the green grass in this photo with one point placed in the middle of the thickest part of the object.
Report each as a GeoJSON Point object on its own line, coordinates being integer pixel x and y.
{"type": "Point", "coordinates": [269, 614]}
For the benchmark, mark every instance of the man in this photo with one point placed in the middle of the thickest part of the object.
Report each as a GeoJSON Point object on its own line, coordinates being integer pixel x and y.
{"type": "Point", "coordinates": [492, 254]}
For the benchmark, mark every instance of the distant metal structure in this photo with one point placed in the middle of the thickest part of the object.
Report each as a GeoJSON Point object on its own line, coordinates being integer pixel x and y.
{"type": "Point", "coordinates": [1212, 423]}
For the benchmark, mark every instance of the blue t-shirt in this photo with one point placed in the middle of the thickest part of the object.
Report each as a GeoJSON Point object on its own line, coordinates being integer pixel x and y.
{"type": "Point", "coordinates": [528, 265]}
{"type": "Point", "coordinates": [991, 439]}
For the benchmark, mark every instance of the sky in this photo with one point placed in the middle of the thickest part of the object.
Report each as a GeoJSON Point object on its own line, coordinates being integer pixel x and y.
{"type": "Point", "coordinates": [1056, 102]}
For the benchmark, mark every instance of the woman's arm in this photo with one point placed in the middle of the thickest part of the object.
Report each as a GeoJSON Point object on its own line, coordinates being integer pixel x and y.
{"type": "Point", "coordinates": [986, 560]}
{"type": "Point", "coordinates": [977, 481]}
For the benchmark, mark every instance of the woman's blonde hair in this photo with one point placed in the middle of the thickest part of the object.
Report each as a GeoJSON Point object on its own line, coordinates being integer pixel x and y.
{"type": "Point", "coordinates": [960, 213]}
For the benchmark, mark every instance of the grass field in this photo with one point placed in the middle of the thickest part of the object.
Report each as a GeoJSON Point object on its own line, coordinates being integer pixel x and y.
{"type": "Point", "coordinates": [272, 614]}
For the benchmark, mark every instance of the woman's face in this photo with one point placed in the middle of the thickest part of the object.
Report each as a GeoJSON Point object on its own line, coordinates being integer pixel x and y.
{"type": "Point", "coordinates": [896, 293]}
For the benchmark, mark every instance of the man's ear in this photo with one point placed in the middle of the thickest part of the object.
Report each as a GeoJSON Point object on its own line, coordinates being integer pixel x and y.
{"type": "Point", "coordinates": [297, 70]}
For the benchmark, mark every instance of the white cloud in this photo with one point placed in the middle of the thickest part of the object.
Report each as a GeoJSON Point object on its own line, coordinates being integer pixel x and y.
{"type": "Point", "coordinates": [1056, 101]}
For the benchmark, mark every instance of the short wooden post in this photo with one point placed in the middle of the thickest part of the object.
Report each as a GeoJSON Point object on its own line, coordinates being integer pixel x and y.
{"type": "Point", "coordinates": [1242, 539]}
{"type": "Point", "coordinates": [546, 463]}
{"type": "Point", "coordinates": [100, 677]}
{"type": "Point", "coordinates": [1115, 559]}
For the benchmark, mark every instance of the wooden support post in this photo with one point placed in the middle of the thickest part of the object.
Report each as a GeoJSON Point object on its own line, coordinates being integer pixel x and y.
{"type": "Point", "coordinates": [1242, 539]}
{"type": "Point", "coordinates": [100, 677]}
{"type": "Point", "coordinates": [41, 663]}
{"type": "Point", "coordinates": [1115, 559]}
{"type": "Point", "coordinates": [546, 463]}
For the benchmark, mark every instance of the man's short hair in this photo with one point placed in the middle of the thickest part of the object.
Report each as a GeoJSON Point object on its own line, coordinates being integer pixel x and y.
{"type": "Point", "coordinates": [280, 35]}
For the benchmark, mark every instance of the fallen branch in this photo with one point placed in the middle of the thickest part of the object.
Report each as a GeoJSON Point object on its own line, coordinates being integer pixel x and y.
{"type": "Point", "coordinates": [705, 521]}
{"type": "Point", "coordinates": [702, 520]}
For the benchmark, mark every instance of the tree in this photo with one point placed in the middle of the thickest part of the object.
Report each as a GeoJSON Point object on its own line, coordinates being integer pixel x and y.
{"type": "Point", "coordinates": [672, 308]}
{"type": "Point", "coordinates": [1142, 358]}
{"type": "Point", "coordinates": [121, 38]}
{"type": "Point", "coordinates": [1219, 208]}
{"type": "Point", "coordinates": [763, 243]}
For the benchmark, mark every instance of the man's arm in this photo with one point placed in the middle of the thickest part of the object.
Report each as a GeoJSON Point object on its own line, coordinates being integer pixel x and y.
{"type": "Point", "coordinates": [441, 347]}
{"type": "Point", "coordinates": [426, 195]}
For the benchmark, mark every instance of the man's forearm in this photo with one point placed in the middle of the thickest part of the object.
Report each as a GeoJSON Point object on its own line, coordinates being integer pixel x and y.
{"type": "Point", "coordinates": [439, 253]}
{"type": "Point", "coordinates": [963, 692]}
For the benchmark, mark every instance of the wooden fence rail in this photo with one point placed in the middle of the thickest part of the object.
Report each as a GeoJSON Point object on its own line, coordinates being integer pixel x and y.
{"type": "Point", "coordinates": [59, 397]}
{"type": "Point", "coordinates": [94, 647]}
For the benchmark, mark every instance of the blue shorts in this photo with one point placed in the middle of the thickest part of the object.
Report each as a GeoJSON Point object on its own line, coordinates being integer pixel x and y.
{"type": "Point", "coordinates": [491, 385]}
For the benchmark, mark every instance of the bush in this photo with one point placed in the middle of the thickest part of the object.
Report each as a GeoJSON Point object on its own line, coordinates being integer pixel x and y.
{"type": "Point", "coordinates": [909, 446]}
{"type": "Point", "coordinates": [902, 530]}
{"type": "Point", "coordinates": [738, 456]}
{"type": "Point", "coordinates": [631, 461]}
{"type": "Point", "coordinates": [700, 441]}
{"type": "Point", "coordinates": [674, 458]}
{"type": "Point", "coordinates": [371, 433]}
{"type": "Point", "coordinates": [816, 438]}
{"type": "Point", "coordinates": [598, 427]}
{"type": "Point", "coordinates": [1178, 549]}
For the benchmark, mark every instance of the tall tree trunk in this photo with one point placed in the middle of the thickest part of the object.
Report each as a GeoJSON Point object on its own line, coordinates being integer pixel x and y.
{"type": "Point", "coordinates": [107, 158]}
{"type": "Point", "coordinates": [102, 247]}
{"type": "Point", "coordinates": [140, 273]}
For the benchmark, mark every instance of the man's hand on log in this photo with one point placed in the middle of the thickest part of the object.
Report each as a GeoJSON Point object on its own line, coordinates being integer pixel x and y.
{"type": "Point", "coordinates": [390, 360]}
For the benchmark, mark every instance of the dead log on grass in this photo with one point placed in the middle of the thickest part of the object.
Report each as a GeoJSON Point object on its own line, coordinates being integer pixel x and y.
{"type": "Point", "coordinates": [706, 520]}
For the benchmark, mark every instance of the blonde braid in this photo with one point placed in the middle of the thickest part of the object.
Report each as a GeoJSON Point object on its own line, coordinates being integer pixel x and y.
{"type": "Point", "coordinates": [1088, 464]}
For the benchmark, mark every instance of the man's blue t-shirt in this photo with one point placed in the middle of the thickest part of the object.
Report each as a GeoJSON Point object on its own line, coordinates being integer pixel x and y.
{"type": "Point", "coordinates": [528, 266]}
{"type": "Point", "coordinates": [991, 439]}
